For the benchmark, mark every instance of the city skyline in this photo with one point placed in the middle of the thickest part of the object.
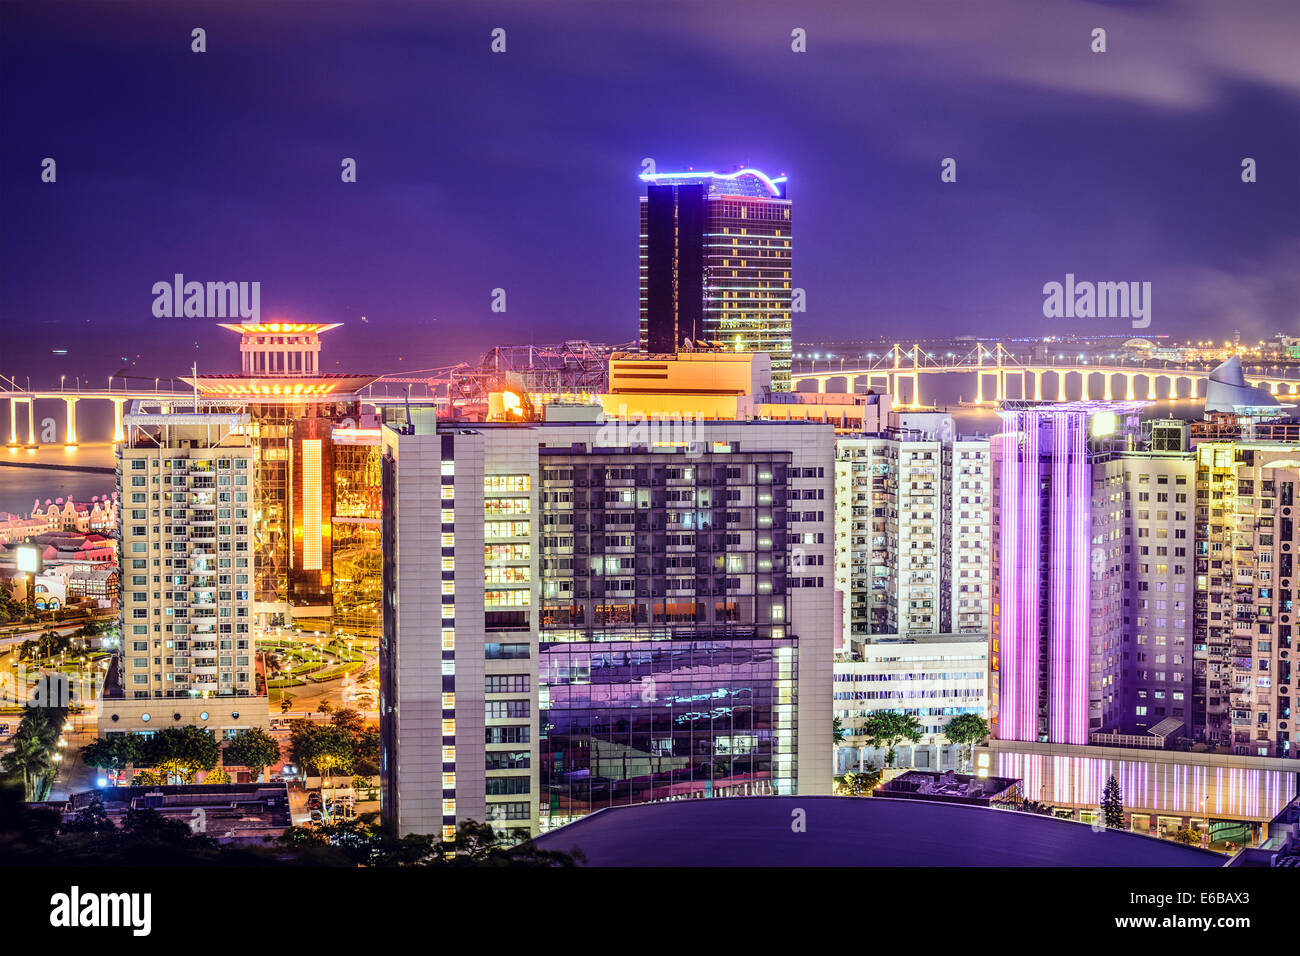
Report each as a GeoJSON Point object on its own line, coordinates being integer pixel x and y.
{"type": "Point", "coordinates": [729, 433]}
{"type": "Point", "coordinates": [1067, 161]}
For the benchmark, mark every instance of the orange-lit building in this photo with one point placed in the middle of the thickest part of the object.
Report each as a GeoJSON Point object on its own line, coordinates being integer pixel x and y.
{"type": "Point", "coordinates": [707, 386]}
{"type": "Point", "coordinates": [295, 411]}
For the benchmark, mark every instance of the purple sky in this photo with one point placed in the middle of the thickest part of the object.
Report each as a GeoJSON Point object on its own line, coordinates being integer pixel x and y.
{"type": "Point", "coordinates": [518, 171]}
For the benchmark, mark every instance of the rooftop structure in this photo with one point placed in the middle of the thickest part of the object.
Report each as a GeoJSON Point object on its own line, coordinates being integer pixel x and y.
{"type": "Point", "coordinates": [1227, 390]}
{"type": "Point", "coordinates": [238, 813]}
{"type": "Point", "coordinates": [950, 787]}
{"type": "Point", "coordinates": [853, 831]}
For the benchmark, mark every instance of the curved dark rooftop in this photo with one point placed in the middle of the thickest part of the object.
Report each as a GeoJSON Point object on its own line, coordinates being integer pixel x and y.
{"type": "Point", "coordinates": [853, 831]}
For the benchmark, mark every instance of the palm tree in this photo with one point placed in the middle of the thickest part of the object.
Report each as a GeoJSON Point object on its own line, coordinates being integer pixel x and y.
{"type": "Point", "coordinates": [30, 756]}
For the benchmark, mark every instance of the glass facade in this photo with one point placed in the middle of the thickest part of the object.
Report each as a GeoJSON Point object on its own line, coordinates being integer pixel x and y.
{"type": "Point", "coordinates": [665, 669]}
{"type": "Point", "coordinates": [355, 539]}
{"type": "Point", "coordinates": [630, 722]}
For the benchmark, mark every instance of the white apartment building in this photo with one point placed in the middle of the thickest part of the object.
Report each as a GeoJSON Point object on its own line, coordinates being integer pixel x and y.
{"type": "Point", "coordinates": [574, 619]}
{"type": "Point", "coordinates": [933, 678]}
{"type": "Point", "coordinates": [186, 497]}
{"type": "Point", "coordinates": [912, 513]}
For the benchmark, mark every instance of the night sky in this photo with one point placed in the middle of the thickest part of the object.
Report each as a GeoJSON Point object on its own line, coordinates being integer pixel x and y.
{"type": "Point", "coordinates": [519, 170]}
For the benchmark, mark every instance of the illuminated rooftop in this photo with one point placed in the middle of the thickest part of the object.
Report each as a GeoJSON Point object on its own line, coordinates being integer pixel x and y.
{"type": "Point", "coordinates": [746, 182]}
{"type": "Point", "coordinates": [333, 384]}
{"type": "Point", "coordinates": [279, 328]}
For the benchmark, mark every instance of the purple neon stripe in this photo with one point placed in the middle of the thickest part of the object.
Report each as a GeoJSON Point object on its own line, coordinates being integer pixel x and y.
{"type": "Point", "coordinates": [1008, 592]}
{"type": "Point", "coordinates": [1080, 616]}
{"type": "Point", "coordinates": [1058, 577]}
{"type": "Point", "coordinates": [1029, 598]}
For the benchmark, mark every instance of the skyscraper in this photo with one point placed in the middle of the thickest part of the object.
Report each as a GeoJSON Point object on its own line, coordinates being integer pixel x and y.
{"type": "Point", "coordinates": [1058, 536]}
{"type": "Point", "coordinates": [715, 264]}
{"type": "Point", "coordinates": [578, 617]}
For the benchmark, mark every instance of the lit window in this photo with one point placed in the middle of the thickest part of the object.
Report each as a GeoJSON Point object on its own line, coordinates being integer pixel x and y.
{"type": "Point", "coordinates": [449, 727]}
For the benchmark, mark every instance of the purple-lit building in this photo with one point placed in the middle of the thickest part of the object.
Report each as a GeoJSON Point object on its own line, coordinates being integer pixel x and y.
{"type": "Point", "coordinates": [1058, 532]}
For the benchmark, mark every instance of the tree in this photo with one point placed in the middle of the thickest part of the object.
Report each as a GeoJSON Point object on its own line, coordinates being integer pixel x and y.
{"type": "Point", "coordinates": [837, 731]}
{"type": "Point", "coordinates": [886, 729]}
{"type": "Point", "coordinates": [1112, 804]}
{"type": "Point", "coordinates": [478, 844]}
{"type": "Point", "coordinates": [182, 751]}
{"type": "Point", "coordinates": [857, 784]}
{"type": "Point", "coordinates": [326, 749]}
{"type": "Point", "coordinates": [367, 751]}
{"type": "Point", "coordinates": [115, 752]}
{"type": "Point", "coordinates": [217, 776]}
{"type": "Point", "coordinates": [966, 730]}
{"type": "Point", "coordinates": [325, 708]}
{"type": "Point", "coordinates": [286, 702]}
{"type": "Point", "coordinates": [254, 749]}
{"type": "Point", "coordinates": [348, 719]}
{"type": "Point", "coordinates": [1188, 837]}
{"type": "Point", "coordinates": [30, 758]}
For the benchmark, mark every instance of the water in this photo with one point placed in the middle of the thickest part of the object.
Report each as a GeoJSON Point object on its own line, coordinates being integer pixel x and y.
{"type": "Point", "coordinates": [944, 391]}
{"type": "Point", "coordinates": [20, 487]}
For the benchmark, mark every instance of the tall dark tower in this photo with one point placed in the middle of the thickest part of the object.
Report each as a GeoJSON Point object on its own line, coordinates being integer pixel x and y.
{"type": "Point", "coordinates": [715, 264]}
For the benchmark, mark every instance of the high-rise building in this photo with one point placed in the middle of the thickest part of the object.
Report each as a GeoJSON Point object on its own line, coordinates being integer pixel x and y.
{"type": "Point", "coordinates": [1142, 596]}
{"type": "Point", "coordinates": [618, 618]}
{"type": "Point", "coordinates": [1058, 568]}
{"type": "Point", "coordinates": [1157, 680]}
{"type": "Point", "coordinates": [1246, 552]}
{"type": "Point", "coordinates": [187, 503]}
{"type": "Point", "coordinates": [912, 512]}
{"type": "Point", "coordinates": [715, 265]}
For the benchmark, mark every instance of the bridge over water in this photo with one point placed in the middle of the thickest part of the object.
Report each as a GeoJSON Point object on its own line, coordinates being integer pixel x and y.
{"type": "Point", "coordinates": [124, 398]}
{"type": "Point", "coordinates": [998, 376]}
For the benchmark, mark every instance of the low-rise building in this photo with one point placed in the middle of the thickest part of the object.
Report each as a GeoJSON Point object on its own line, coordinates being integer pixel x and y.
{"type": "Point", "coordinates": [932, 678]}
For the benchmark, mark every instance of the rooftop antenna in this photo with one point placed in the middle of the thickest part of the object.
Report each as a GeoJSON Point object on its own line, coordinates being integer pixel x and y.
{"type": "Point", "coordinates": [406, 393]}
{"type": "Point", "coordinates": [195, 380]}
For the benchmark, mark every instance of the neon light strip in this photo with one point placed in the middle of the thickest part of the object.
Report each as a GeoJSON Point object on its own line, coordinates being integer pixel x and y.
{"type": "Point", "coordinates": [1151, 786]}
{"type": "Point", "coordinates": [769, 182]}
{"type": "Point", "coordinates": [1058, 580]}
{"type": "Point", "coordinates": [311, 504]}
{"type": "Point", "coordinates": [1009, 591]}
{"type": "Point", "coordinates": [1080, 576]}
{"type": "Point", "coordinates": [1031, 490]}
